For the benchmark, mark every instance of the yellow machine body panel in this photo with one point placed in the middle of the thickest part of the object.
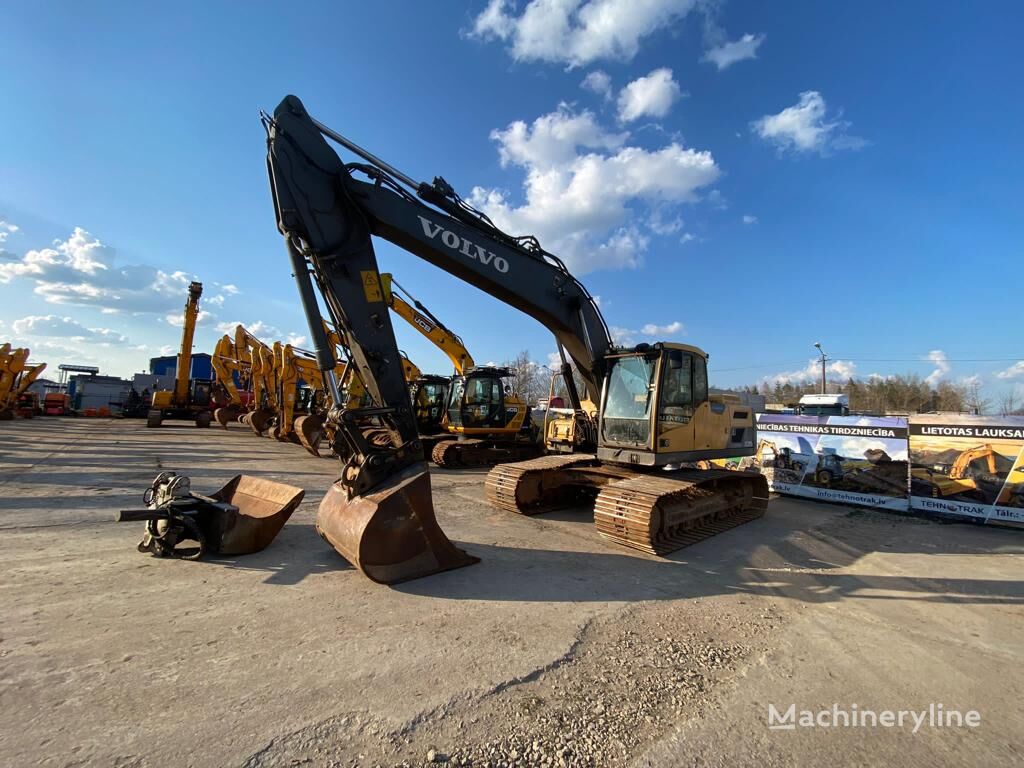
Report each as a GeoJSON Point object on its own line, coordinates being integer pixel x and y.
{"type": "Point", "coordinates": [657, 411]}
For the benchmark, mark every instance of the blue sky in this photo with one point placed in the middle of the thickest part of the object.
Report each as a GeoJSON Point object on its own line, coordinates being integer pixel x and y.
{"type": "Point", "coordinates": [747, 177]}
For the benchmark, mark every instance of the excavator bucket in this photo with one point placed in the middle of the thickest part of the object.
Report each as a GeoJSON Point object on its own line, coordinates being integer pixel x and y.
{"type": "Point", "coordinates": [310, 430]}
{"type": "Point", "coordinates": [226, 415]}
{"type": "Point", "coordinates": [250, 512]}
{"type": "Point", "coordinates": [260, 420]}
{"type": "Point", "coordinates": [390, 534]}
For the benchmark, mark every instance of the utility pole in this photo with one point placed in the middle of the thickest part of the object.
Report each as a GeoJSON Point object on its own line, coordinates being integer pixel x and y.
{"type": "Point", "coordinates": [824, 357]}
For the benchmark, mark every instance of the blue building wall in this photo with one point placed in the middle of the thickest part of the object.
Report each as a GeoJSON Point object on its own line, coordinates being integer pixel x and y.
{"type": "Point", "coordinates": [202, 368]}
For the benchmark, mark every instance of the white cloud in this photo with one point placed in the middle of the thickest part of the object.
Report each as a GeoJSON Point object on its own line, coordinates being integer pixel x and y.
{"type": "Point", "coordinates": [942, 367]}
{"type": "Point", "coordinates": [257, 328]}
{"type": "Point", "coordinates": [178, 320]}
{"type": "Point", "coordinates": [652, 95]}
{"type": "Point", "coordinates": [168, 349]}
{"type": "Point", "coordinates": [54, 326]}
{"type": "Point", "coordinates": [629, 337]}
{"type": "Point", "coordinates": [805, 128]}
{"type": "Point", "coordinates": [6, 230]}
{"type": "Point", "coordinates": [577, 32]}
{"type": "Point", "coordinates": [748, 219]}
{"type": "Point", "coordinates": [622, 337]}
{"type": "Point", "coordinates": [834, 369]}
{"type": "Point", "coordinates": [1015, 371]}
{"type": "Point", "coordinates": [598, 82]}
{"type": "Point", "coordinates": [583, 186]}
{"type": "Point", "coordinates": [728, 53]}
{"type": "Point", "coordinates": [687, 238]}
{"type": "Point", "coordinates": [662, 331]}
{"type": "Point", "coordinates": [974, 380]}
{"type": "Point", "coordinates": [659, 225]}
{"type": "Point", "coordinates": [82, 271]}
{"type": "Point", "coordinates": [553, 139]}
{"type": "Point", "coordinates": [264, 331]}
{"type": "Point", "coordinates": [229, 289]}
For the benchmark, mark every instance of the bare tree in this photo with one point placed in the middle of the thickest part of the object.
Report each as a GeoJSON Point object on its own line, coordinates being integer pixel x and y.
{"type": "Point", "coordinates": [531, 379]}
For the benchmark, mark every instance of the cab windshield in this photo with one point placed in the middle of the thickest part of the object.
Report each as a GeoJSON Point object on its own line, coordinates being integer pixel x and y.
{"type": "Point", "coordinates": [627, 411]}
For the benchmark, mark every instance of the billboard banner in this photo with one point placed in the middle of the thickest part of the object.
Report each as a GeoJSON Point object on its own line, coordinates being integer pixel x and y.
{"type": "Point", "coordinates": [968, 466]}
{"type": "Point", "coordinates": [858, 460]}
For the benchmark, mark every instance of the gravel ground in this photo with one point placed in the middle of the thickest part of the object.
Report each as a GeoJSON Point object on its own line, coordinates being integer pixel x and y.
{"type": "Point", "coordinates": [556, 649]}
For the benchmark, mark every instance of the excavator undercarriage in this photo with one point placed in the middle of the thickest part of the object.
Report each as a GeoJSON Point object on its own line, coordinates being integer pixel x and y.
{"type": "Point", "coordinates": [656, 513]}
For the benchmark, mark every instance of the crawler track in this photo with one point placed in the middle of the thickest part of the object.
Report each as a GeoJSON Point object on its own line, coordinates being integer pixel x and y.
{"type": "Point", "coordinates": [480, 453]}
{"type": "Point", "coordinates": [659, 515]}
{"type": "Point", "coordinates": [653, 512]}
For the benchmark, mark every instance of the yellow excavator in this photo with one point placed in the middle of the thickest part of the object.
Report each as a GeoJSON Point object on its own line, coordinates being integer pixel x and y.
{"type": "Point", "coordinates": [459, 419]}
{"type": "Point", "coordinates": [190, 398]}
{"type": "Point", "coordinates": [12, 362]}
{"type": "Point", "coordinates": [655, 410]}
{"type": "Point", "coordinates": [978, 462]}
{"type": "Point", "coordinates": [16, 376]}
{"type": "Point", "coordinates": [306, 429]}
{"type": "Point", "coordinates": [229, 365]}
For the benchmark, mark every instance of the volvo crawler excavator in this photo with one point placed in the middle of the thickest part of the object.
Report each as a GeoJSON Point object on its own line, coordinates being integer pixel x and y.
{"type": "Point", "coordinates": [654, 406]}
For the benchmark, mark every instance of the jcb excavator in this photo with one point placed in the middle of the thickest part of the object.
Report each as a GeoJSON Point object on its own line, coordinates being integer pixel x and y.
{"type": "Point", "coordinates": [306, 429]}
{"type": "Point", "coordinates": [489, 423]}
{"type": "Point", "coordinates": [190, 398]}
{"type": "Point", "coordinates": [655, 409]}
{"type": "Point", "coordinates": [262, 366]}
{"type": "Point", "coordinates": [228, 363]}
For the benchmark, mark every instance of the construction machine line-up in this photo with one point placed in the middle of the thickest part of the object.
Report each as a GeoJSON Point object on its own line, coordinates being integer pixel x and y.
{"type": "Point", "coordinates": [654, 411]}
{"type": "Point", "coordinates": [190, 398]}
{"type": "Point", "coordinates": [471, 418]}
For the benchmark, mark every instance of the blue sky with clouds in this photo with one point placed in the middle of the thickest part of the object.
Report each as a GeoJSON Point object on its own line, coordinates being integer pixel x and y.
{"type": "Point", "coordinates": [747, 177]}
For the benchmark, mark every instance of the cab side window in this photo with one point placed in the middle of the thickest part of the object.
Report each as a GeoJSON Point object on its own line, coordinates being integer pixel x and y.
{"type": "Point", "coordinates": [677, 381]}
{"type": "Point", "coordinates": [700, 380]}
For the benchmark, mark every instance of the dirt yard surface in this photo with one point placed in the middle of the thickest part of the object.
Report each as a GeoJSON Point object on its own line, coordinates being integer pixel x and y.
{"type": "Point", "coordinates": [556, 650]}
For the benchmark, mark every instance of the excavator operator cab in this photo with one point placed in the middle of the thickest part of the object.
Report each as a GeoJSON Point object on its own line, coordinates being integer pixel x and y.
{"type": "Point", "coordinates": [657, 409]}
{"type": "Point", "coordinates": [429, 400]}
{"type": "Point", "coordinates": [477, 400]}
{"type": "Point", "coordinates": [201, 393]}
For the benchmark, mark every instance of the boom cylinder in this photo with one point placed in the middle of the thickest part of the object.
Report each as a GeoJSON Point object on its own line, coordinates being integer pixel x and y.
{"type": "Point", "coordinates": [321, 345]}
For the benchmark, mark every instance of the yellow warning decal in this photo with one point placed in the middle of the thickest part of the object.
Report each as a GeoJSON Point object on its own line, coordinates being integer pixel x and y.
{"type": "Point", "coordinates": [371, 285]}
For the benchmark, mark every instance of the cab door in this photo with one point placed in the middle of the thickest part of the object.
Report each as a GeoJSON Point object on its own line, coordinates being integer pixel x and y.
{"type": "Point", "coordinates": [676, 402]}
{"type": "Point", "coordinates": [483, 403]}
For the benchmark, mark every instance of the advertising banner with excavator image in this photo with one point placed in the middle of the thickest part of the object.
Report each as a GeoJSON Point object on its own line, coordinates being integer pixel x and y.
{"type": "Point", "coordinates": [859, 460]}
{"type": "Point", "coordinates": [968, 466]}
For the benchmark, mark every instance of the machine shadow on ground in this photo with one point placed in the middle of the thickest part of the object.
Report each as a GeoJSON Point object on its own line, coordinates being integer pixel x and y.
{"type": "Point", "coordinates": [768, 558]}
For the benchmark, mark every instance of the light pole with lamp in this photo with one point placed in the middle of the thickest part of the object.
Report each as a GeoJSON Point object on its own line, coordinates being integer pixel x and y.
{"type": "Point", "coordinates": [824, 357]}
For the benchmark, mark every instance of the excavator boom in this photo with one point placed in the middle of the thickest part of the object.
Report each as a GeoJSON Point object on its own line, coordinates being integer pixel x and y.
{"type": "Point", "coordinates": [380, 514]}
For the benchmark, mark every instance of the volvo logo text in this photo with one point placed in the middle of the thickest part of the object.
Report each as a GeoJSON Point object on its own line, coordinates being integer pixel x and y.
{"type": "Point", "coordinates": [462, 245]}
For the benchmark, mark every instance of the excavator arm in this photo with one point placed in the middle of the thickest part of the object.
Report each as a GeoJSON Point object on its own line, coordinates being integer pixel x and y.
{"type": "Point", "coordinates": [420, 318]}
{"type": "Point", "coordinates": [380, 515]}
